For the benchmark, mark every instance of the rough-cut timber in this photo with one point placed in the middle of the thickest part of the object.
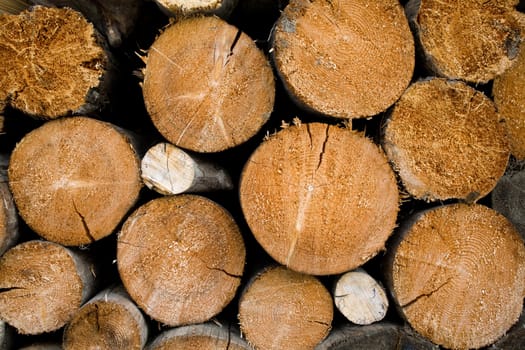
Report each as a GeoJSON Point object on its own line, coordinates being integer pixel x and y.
{"type": "Point", "coordinates": [207, 87]}
{"type": "Point", "coordinates": [319, 199]}
{"type": "Point", "coordinates": [8, 216]}
{"type": "Point", "coordinates": [283, 309]}
{"type": "Point", "coordinates": [345, 59]}
{"type": "Point", "coordinates": [168, 170]}
{"type": "Point", "coordinates": [184, 8]}
{"type": "Point", "coordinates": [74, 179]}
{"type": "Point", "coordinates": [508, 90]}
{"type": "Point", "coordinates": [52, 63]}
{"type": "Point", "coordinates": [110, 321]}
{"type": "Point", "coordinates": [181, 258]}
{"type": "Point", "coordinates": [42, 284]}
{"type": "Point", "coordinates": [508, 197]}
{"type": "Point", "coordinates": [470, 40]}
{"type": "Point", "coordinates": [207, 336]}
{"type": "Point", "coordinates": [114, 18]}
{"type": "Point", "coordinates": [446, 140]}
{"type": "Point", "coordinates": [384, 336]}
{"type": "Point", "coordinates": [360, 298]}
{"type": "Point", "coordinates": [457, 274]}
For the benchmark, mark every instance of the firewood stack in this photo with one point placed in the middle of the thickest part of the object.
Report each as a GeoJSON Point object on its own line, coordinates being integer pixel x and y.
{"type": "Point", "coordinates": [262, 174]}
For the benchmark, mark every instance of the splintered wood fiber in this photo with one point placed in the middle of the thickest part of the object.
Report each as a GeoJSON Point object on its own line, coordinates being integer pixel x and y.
{"type": "Point", "coordinates": [446, 140]}
{"type": "Point", "coordinates": [50, 59]}
{"type": "Point", "coordinates": [319, 199]}
{"type": "Point", "coordinates": [207, 87]}
{"type": "Point", "coordinates": [181, 258]}
{"type": "Point", "coordinates": [74, 179]}
{"type": "Point", "coordinates": [346, 59]}
{"type": "Point", "coordinates": [458, 275]}
{"type": "Point", "coordinates": [471, 40]}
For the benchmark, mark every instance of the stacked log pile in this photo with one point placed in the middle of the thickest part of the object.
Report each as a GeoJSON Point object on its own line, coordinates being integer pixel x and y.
{"type": "Point", "coordinates": [262, 174]}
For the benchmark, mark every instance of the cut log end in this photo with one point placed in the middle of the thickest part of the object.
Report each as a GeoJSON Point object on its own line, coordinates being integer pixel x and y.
{"type": "Point", "coordinates": [207, 87]}
{"type": "Point", "coordinates": [283, 309]}
{"type": "Point", "coordinates": [360, 298]}
{"type": "Point", "coordinates": [41, 286]}
{"type": "Point", "coordinates": [201, 336]}
{"type": "Point", "coordinates": [446, 140]}
{"type": "Point", "coordinates": [170, 170]}
{"type": "Point", "coordinates": [181, 258]}
{"type": "Point", "coordinates": [315, 208]}
{"type": "Point", "coordinates": [472, 40]}
{"type": "Point", "coordinates": [185, 8]}
{"type": "Point", "coordinates": [108, 321]}
{"type": "Point", "coordinates": [458, 275]}
{"type": "Point", "coordinates": [344, 59]}
{"type": "Point", "coordinates": [54, 64]}
{"type": "Point", "coordinates": [74, 179]}
{"type": "Point", "coordinates": [507, 91]}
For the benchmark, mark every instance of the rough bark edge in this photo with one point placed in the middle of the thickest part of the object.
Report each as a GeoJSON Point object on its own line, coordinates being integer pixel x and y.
{"type": "Point", "coordinates": [207, 329]}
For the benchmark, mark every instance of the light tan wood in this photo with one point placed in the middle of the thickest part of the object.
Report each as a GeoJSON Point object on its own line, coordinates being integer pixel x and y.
{"type": "Point", "coordinates": [52, 63]}
{"type": "Point", "coordinates": [183, 8]}
{"type": "Point", "coordinates": [446, 140]}
{"type": "Point", "coordinates": [110, 320]}
{"type": "Point", "coordinates": [168, 170]}
{"type": "Point", "coordinates": [457, 274]}
{"type": "Point", "coordinates": [319, 199]}
{"type": "Point", "coordinates": [42, 284]}
{"type": "Point", "coordinates": [283, 309]}
{"type": "Point", "coordinates": [206, 336]}
{"type": "Point", "coordinates": [74, 179]}
{"type": "Point", "coordinates": [181, 258]}
{"type": "Point", "coordinates": [470, 40]}
{"type": "Point", "coordinates": [360, 298]}
{"type": "Point", "coordinates": [13, 6]}
{"type": "Point", "coordinates": [9, 233]}
{"type": "Point", "coordinates": [346, 59]}
{"type": "Point", "coordinates": [507, 91]}
{"type": "Point", "coordinates": [207, 87]}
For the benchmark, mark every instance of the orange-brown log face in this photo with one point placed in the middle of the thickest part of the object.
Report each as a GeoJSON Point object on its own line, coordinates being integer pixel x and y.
{"type": "Point", "coordinates": [49, 61]}
{"type": "Point", "coordinates": [181, 258]}
{"type": "Point", "coordinates": [446, 140]}
{"type": "Point", "coordinates": [345, 59]}
{"type": "Point", "coordinates": [459, 275]}
{"type": "Point", "coordinates": [469, 39]}
{"type": "Point", "coordinates": [319, 199]}
{"type": "Point", "coordinates": [207, 87]}
{"type": "Point", "coordinates": [283, 309]}
{"type": "Point", "coordinates": [40, 285]}
{"type": "Point", "coordinates": [74, 179]}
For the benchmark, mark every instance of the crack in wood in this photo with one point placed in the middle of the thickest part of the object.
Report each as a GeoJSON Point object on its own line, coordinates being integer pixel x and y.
{"type": "Point", "coordinates": [87, 231]}
{"type": "Point", "coordinates": [426, 295]}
